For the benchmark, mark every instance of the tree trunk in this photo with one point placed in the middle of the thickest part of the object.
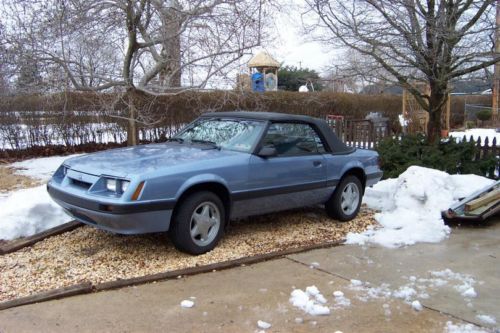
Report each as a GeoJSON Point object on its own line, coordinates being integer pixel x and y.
{"type": "Point", "coordinates": [437, 102]}
{"type": "Point", "coordinates": [132, 132]}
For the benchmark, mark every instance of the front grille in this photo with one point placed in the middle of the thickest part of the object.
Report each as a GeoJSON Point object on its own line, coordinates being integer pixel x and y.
{"type": "Point", "coordinates": [80, 184]}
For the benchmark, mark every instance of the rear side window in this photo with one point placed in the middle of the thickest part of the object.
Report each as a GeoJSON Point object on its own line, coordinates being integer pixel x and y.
{"type": "Point", "coordinates": [292, 139]}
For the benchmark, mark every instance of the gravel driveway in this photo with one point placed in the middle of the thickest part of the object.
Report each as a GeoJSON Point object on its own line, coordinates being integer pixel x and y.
{"type": "Point", "coordinates": [88, 254]}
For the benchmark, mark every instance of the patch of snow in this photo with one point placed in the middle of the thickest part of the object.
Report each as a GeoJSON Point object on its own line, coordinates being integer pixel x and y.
{"type": "Point", "coordinates": [40, 168]}
{"type": "Point", "coordinates": [341, 301]}
{"type": "Point", "coordinates": [486, 319]}
{"type": "Point", "coordinates": [187, 303]}
{"type": "Point", "coordinates": [299, 320]}
{"type": "Point", "coordinates": [476, 133]}
{"type": "Point", "coordinates": [416, 306]}
{"type": "Point", "coordinates": [411, 206]}
{"type": "Point", "coordinates": [356, 283]}
{"type": "Point", "coordinates": [309, 301]}
{"type": "Point", "coordinates": [465, 282]}
{"type": "Point", "coordinates": [462, 328]}
{"type": "Point", "coordinates": [469, 293]}
{"type": "Point", "coordinates": [405, 292]}
{"type": "Point", "coordinates": [29, 211]}
{"type": "Point", "coordinates": [263, 325]}
{"type": "Point", "coordinates": [367, 292]}
{"type": "Point", "coordinates": [314, 265]}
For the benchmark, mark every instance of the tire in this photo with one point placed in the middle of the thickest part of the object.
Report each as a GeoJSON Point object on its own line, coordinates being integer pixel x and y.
{"type": "Point", "coordinates": [198, 223]}
{"type": "Point", "coordinates": [341, 205]}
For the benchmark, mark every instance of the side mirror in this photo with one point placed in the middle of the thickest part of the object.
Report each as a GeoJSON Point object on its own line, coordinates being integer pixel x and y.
{"type": "Point", "coordinates": [266, 152]}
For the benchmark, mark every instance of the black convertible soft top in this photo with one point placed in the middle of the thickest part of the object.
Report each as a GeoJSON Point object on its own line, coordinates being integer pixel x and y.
{"type": "Point", "coordinates": [335, 144]}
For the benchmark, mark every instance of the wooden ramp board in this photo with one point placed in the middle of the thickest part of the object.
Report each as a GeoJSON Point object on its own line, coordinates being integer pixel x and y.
{"type": "Point", "coordinates": [483, 209]}
{"type": "Point", "coordinates": [485, 200]}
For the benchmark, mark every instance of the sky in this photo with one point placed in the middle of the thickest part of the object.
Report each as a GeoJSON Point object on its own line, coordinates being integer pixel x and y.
{"type": "Point", "coordinates": [291, 47]}
{"type": "Point", "coordinates": [297, 50]}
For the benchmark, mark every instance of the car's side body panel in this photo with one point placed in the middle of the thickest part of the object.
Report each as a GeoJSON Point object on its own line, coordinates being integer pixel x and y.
{"type": "Point", "coordinates": [280, 183]}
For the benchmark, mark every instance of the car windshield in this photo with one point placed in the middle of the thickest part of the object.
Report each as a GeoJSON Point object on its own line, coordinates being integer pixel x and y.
{"type": "Point", "coordinates": [239, 135]}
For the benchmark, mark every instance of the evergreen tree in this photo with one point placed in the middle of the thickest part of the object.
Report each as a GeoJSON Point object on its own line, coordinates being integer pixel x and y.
{"type": "Point", "coordinates": [291, 78]}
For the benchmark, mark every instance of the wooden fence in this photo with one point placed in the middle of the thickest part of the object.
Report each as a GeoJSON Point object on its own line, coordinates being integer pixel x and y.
{"type": "Point", "coordinates": [359, 133]}
{"type": "Point", "coordinates": [485, 148]}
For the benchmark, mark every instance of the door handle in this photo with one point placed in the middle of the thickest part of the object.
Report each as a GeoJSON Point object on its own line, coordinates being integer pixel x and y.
{"type": "Point", "coordinates": [317, 163]}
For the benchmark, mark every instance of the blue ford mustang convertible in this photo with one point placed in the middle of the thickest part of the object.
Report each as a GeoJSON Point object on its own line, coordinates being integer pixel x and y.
{"type": "Point", "coordinates": [222, 166]}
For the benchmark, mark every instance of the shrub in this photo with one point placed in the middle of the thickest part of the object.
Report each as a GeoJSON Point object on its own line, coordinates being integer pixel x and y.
{"type": "Point", "coordinates": [397, 154]}
{"type": "Point", "coordinates": [484, 115]}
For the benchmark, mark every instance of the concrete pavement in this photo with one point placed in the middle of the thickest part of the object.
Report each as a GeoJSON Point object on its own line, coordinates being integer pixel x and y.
{"type": "Point", "coordinates": [234, 300]}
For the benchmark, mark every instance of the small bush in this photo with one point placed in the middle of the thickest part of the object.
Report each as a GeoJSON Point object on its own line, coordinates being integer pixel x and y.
{"type": "Point", "coordinates": [397, 154]}
{"type": "Point", "coordinates": [484, 115]}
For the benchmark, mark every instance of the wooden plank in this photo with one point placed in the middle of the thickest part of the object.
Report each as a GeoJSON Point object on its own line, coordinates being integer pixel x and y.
{"type": "Point", "coordinates": [481, 201]}
{"type": "Point", "coordinates": [77, 289]}
{"type": "Point", "coordinates": [482, 209]}
{"type": "Point", "coordinates": [28, 241]}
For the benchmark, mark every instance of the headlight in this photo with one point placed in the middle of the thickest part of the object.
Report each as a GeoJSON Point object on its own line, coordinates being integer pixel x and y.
{"type": "Point", "coordinates": [117, 185]}
{"type": "Point", "coordinates": [124, 185]}
{"type": "Point", "coordinates": [111, 185]}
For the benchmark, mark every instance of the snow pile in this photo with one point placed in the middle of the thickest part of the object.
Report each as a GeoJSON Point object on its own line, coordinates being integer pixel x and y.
{"type": "Point", "coordinates": [40, 168]}
{"type": "Point", "coordinates": [462, 328]}
{"type": "Point", "coordinates": [27, 212]}
{"type": "Point", "coordinates": [311, 301]}
{"type": "Point", "coordinates": [411, 206]}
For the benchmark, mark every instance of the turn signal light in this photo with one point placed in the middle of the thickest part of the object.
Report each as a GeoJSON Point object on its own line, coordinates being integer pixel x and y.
{"type": "Point", "coordinates": [137, 191]}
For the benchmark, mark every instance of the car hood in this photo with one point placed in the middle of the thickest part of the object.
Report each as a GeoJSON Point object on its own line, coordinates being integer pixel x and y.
{"type": "Point", "coordinates": [123, 162]}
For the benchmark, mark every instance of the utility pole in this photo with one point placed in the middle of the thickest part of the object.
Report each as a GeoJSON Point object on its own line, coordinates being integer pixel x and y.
{"type": "Point", "coordinates": [496, 76]}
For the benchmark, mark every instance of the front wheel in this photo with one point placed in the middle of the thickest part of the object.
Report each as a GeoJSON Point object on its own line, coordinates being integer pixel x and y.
{"type": "Point", "coordinates": [198, 224]}
{"type": "Point", "coordinates": [345, 202]}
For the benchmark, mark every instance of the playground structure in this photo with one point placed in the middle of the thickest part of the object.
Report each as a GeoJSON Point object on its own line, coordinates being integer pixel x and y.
{"type": "Point", "coordinates": [263, 71]}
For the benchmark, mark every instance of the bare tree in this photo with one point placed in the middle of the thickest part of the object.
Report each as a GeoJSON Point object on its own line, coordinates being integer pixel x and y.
{"type": "Point", "coordinates": [412, 41]}
{"type": "Point", "coordinates": [136, 45]}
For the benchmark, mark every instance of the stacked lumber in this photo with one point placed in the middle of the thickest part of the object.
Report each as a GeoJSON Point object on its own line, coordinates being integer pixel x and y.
{"type": "Point", "coordinates": [482, 204]}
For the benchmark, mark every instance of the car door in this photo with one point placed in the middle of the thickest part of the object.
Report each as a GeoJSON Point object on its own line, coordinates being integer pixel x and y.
{"type": "Point", "coordinates": [295, 177]}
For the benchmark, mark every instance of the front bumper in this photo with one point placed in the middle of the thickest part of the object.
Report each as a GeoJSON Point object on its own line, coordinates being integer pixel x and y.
{"type": "Point", "coordinates": [130, 218]}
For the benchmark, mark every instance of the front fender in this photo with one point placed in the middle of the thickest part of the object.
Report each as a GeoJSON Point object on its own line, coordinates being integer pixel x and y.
{"type": "Point", "coordinates": [200, 179]}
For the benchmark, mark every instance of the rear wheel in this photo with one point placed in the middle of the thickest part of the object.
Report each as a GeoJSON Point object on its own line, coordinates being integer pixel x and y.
{"type": "Point", "coordinates": [345, 202]}
{"type": "Point", "coordinates": [198, 223]}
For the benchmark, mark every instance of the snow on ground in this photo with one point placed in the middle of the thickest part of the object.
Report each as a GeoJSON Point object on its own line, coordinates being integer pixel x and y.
{"type": "Point", "coordinates": [410, 206]}
{"type": "Point", "coordinates": [310, 301]}
{"type": "Point", "coordinates": [29, 211]}
{"type": "Point", "coordinates": [490, 320]}
{"type": "Point", "coordinates": [462, 328]}
{"type": "Point", "coordinates": [40, 168]}
{"type": "Point", "coordinates": [476, 133]}
{"type": "Point", "coordinates": [263, 325]}
{"type": "Point", "coordinates": [187, 303]}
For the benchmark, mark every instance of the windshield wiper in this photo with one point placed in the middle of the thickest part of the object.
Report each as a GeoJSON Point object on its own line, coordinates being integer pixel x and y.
{"type": "Point", "coordinates": [180, 140]}
{"type": "Point", "coordinates": [205, 142]}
